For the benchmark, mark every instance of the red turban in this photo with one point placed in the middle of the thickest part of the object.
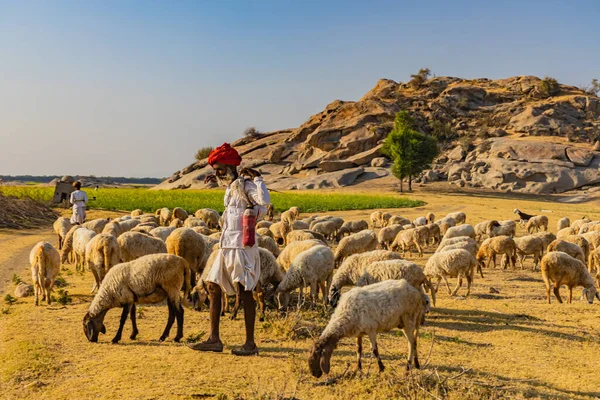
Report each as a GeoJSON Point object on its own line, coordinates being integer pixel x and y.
{"type": "Point", "coordinates": [224, 154]}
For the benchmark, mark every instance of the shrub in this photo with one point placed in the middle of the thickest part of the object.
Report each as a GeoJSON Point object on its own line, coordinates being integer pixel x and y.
{"type": "Point", "coordinates": [465, 142]}
{"type": "Point", "coordinates": [195, 337]}
{"type": "Point", "coordinates": [203, 153]}
{"type": "Point", "coordinates": [251, 132]}
{"type": "Point", "coordinates": [441, 130]}
{"type": "Point", "coordinates": [462, 102]}
{"type": "Point", "coordinates": [60, 282]}
{"type": "Point", "coordinates": [418, 79]}
{"type": "Point", "coordinates": [63, 297]}
{"type": "Point", "coordinates": [548, 87]}
{"type": "Point", "coordinates": [8, 299]}
{"type": "Point", "coordinates": [16, 279]}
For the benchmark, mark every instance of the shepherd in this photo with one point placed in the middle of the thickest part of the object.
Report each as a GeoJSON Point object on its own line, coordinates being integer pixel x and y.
{"type": "Point", "coordinates": [237, 266]}
{"type": "Point", "coordinates": [79, 199]}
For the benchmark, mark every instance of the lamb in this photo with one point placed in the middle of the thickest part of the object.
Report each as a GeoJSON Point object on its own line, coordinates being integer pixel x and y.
{"type": "Point", "coordinates": [352, 268]}
{"type": "Point", "coordinates": [396, 269]}
{"type": "Point", "coordinates": [350, 227]}
{"type": "Point", "coordinates": [504, 228]}
{"type": "Point", "coordinates": [312, 268]}
{"type": "Point", "coordinates": [190, 246]}
{"type": "Point", "coordinates": [559, 269]}
{"type": "Point", "coordinates": [68, 244]}
{"type": "Point", "coordinates": [452, 263]}
{"type": "Point", "coordinates": [326, 228]}
{"type": "Point", "coordinates": [96, 225]}
{"type": "Point", "coordinates": [164, 216]}
{"type": "Point", "coordinates": [180, 213]}
{"type": "Point", "coordinates": [293, 249]}
{"type": "Point", "coordinates": [101, 254]}
{"type": "Point", "coordinates": [366, 311]}
{"type": "Point", "coordinates": [397, 220]}
{"type": "Point", "coordinates": [527, 245]}
{"type": "Point", "coordinates": [176, 223]}
{"type": "Point", "coordinates": [61, 227]}
{"type": "Point", "coordinates": [268, 243]}
{"type": "Point", "coordinates": [407, 238]}
{"type": "Point", "coordinates": [135, 245]}
{"type": "Point", "coordinates": [45, 266]}
{"type": "Point", "coordinates": [563, 223]}
{"type": "Point", "coordinates": [113, 228]}
{"type": "Point", "coordinates": [460, 230]}
{"type": "Point", "coordinates": [386, 235]}
{"type": "Point", "coordinates": [494, 246]}
{"type": "Point", "coordinates": [356, 243]}
{"type": "Point", "coordinates": [136, 213]}
{"type": "Point", "coordinates": [459, 217]}
{"type": "Point", "coordinates": [192, 222]}
{"type": "Point", "coordinates": [434, 233]}
{"type": "Point", "coordinates": [375, 218]}
{"type": "Point", "coordinates": [147, 280]}
{"type": "Point", "coordinates": [537, 222]}
{"type": "Point", "coordinates": [420, 221]}
{"type": "Point", "coordinates": [569, 248]}
{"type": "Point", "coordinates": [162, 232]}
{"type": "Point", "coordinates": [209, 216]}
{"type": "Point", "coordinates": [81, 237]}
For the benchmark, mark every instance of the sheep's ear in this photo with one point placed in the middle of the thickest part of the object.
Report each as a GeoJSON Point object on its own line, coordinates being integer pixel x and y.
{"type": "Point", "coordinates": [326, 358]}
{"type": "Point", "coordinates": [598, 295]}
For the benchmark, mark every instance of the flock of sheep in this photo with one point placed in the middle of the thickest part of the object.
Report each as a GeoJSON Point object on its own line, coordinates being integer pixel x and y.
{"type": "Point", "coordinates": [150, 258]}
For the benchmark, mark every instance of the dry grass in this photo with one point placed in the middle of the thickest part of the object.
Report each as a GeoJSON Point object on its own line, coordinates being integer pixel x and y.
{"type": "Point", "coordinates": [502, 345]}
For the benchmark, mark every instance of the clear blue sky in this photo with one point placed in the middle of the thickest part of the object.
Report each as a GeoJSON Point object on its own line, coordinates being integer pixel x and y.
{"type": "Point", "coordinates": [135, 87]}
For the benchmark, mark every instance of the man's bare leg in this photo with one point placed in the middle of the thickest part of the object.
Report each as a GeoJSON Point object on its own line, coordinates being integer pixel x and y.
{"type": "Point", "coordinates": [249, 348]}
{"type": "Point", "coordinates": [213, 343]}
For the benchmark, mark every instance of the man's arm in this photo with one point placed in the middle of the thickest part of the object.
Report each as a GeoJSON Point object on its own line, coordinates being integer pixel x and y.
{"type": "Point", "coordinates": [71, 198]}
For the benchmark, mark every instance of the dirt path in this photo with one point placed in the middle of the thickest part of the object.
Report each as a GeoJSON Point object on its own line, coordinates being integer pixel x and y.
{"type": "Point", "coordinates": [14, 252]}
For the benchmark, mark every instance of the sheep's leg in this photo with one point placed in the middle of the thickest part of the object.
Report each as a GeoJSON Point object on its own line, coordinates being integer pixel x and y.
{"type": "Point", "coordinates": [373, 339]}
{"type": "Point", "coordinates": [48, 290]}
{"type": "Point", "coordinates": [133, 317]}
{"type": "Point", "coordinates": [469, 281]}
{"type": "Point", "coordinates": [447, 284]}
{"type": "Point", "coordinates": [225, 304]}
{"type": "Point", "coordinates": [548, 291]}
{"type": "Point", "coordinates": [557, 294]}
{"type": "Point", "coordinates": [60, 242]}
{"type": "Point", "coordinates": [124, 315]}
{"type": "Point", "coordinates": [314, 292]}
{"type": "Point", "coordinates": [458, 285]}
{"type": "Point", "coordinates": [409, 332]}
{"type": "Point", "coordinates": [300, 297]}
{"type": "Point", "coordinates": [570, 294]}
{"type": "Point", "coordinates": [179, 316]}
{"type": "Point", "coordinates": [521, 258]}
{"type": "Point", "coordinates": [359, 342]}
{"type": "Point", "coordinates": [236, 307]}
{"type": "Point", "coordinates": [170, 321]}
{"type": "Point", "coordinates": [260, 297]}
{"type": "Point", "coordinates": [437, 287]}
{"type": "Point", "coordinates": [419, 248]}
{"type": "Point", "coordinates": [323, 286]}
{"type": "Point", "coordinates": [36, 290]}
{"type": "Point", "coordinates": [96, 278]}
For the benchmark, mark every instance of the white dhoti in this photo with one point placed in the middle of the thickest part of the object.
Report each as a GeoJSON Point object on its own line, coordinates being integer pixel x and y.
{"type": "Point", "coordinates": [78, 214]}
{"type": "Point", "coordinates": [236, 265]}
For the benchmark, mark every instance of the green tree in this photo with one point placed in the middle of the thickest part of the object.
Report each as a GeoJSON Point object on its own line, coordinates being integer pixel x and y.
{"type": "Point", "coordinates": [411, 150]}
{"type": "Point", "coordinates": [548, 87]}
{"type": "Point", "coordinates": [420, 77]}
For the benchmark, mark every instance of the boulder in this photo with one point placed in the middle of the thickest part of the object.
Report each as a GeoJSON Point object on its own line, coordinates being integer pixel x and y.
{"type": "Point", "coordinates": [332, 166]}
{"type": "Point", "coordinates": [456, 170]}
{"type": "Point", "coordinates": [457, 154]}
{"type": "Point", "coordinates": [379, 162]}
{"type": "Point", "coordinates": [327, 180]}
{"type": "Point", "coordinates": [366, 156]}
{"type": "Point", "coordinates": [429, 176]}
{"type": "Point", "coordinates": [23, 290]}
{"type": "Point", "coordinates": [579, 157]}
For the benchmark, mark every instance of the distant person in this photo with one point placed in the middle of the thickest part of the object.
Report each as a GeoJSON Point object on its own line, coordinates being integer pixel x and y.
{"type": "Point", "coordinates": [79, 199]}
{"type": "Point", "coordinates": [96, 188]}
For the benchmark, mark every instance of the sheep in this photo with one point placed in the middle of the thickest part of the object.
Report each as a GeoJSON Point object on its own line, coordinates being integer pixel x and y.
{"type": "Point", "coordinates": [385, 219]}
{"type": "Point", "coordinates": [101, 254]}
{"type": "Point", "coordinates": [446, 220]}
{"type": "Point", "coordinates": [434, 233]}
{"type": "Point", "coordinates": [202, 230]}
{"type": "Point", "coordinates": [270, 212]}
{"type": "Point", "coordinates": [180, 213]}
{"type": "Point", "coordinates": [397, 220]}
{"type": "Point", "coordinates": [265, 232]}
{"type": "Point", "coordinates": [484, 228]}
{"type": "Point", "coordinates": [293, 249]}
{"type": "Point", "coordinates": [304, 234]}
{"type": "Point", "coordinates": [569, 248]}
{"type": "Point", "coordinates": [61, 227]}
{"type": "Point", "coordinates": [145, 219]}
{"type": "Point", "coordinates": [353, 267]}
{"type": "Point", "coordinates": [547, 238]}
{"type": "Point", "coordinates": [45, 266]}
{"type": "Point", "coordinates": [588, 226]}
{"type": "Point", "coordinates": [209, 216]}
{"type": "Point", "coordinates": [295, 211]}
{"type": "Point", "coordinates": [190, 246]}
{"type": "Point", "coordinates": [386, 235]}
{"type": "Point", "coordinates": [454, 240]}
{"type": "Point", "coordinates": [68, 244]}
{"type": "Point", "coordinates": [579, 222]}
{"type": "Point", "coordinates": [350, 227]}
{"type": "Point", "coordinates": [460, 230]}
{"type": "Point", "coordinates": [81, 237]}
{"type": "Point", "coordinates": [594, 262]}
{"type": "Point", "coordinates": [471, 247]}
{"type": "Point", "coordinates": [216, 235]}
{"type": "Point", "coordinates": [356, 243]}
{"type": "Point", "coordinates": [366, 311]}
{"type": "Point", "coordinates": [559, 269]}
{"type": "Point", "coordinates": [568, 231]}
{"type": "Point", "coordinates": [459, 217]}
{"type": "Point", "coordinates": [527, 245]}
{"type": "Point", "coordinates": [408, 226]}
{"type": "Point", "coordinates": [313, 268]}
{"type": "Point", "coordinates": [96, 225]}
{"type": "Point", "coordinates": [593, 239]}
{"type": "Point", "coordinates": [192, 222]}
{"type": "Point", "coordinates": [268, 243]}
{"type": "Point", "coordinates": [494, 246]}
{"type": "Point", "coordinates": [113, 228]}
{"type": "Point", "coordinates": [288, 217]}
{"type": "Point", "coordinates": [326, 228]}
{"type": "Point", "coordinates": [320, 219]}
{"type": "Point", "coordinates": [276, 231]}
{"type": "Point", "coordinates": [523, 217]}
{"type": "Point", "coordinates": [504, 228]}
{"type": "Point", "coordinates": [375, 219]}
{"type": "Point", "coordinates": [142, 229]}
{"type": "Point", "coordinates": [164, 217]}
{"type": "Point", "coordinates": [422, 233]}
{"type": "Point", "coordinates": [150, 279]}
{"type": "Point", "coordinates": [264, 224]}
{"type": "Point", "coordinates": [452, 263]}
{"type": "Point", "coordinates": [309, 220]}
{"type": "Point", "coordinates": [128, 225]}
{"type": "Point", "coordinates": [563, 223]}
{"type": "Point", "coordinates": [162, 232]}
{"type": "Point", "coordinates": [420, 221]}
{"type": "Point", "coordinates": [136, 213]}
{"type": "Point", "coordinates": [396, 269]}
{"type": "Point", "coordinates": [407, 238]}
{"type": "Point", "coordinates": [580, 241]}
{"type": "Point", "coordinates": [537, 222]}
{"type": "Point", "coordinates": [176, 223]}
{"type": "Point", "coordinates": [135, 245]}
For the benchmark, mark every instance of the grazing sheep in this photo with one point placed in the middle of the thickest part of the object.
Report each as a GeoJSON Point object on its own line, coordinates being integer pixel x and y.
{"type": "Point", "coordinates": [180, 213]}
{"type": "Point", "coordinates": [353, 267]}
{"type": "Point", "coordinates": [293, 249]}
{"type": "Point", "coordinates": [209, 216]}
{"type": "Point", "coordinates": [96, 225]}
{"type": "Point", "coordinates": [350, 227]}
{"type": "Point", "coordinates": [594, 262]}
{"type": "Point", "coordinates": [149, 219]}
{"type": "Point", "coordinates": [303, 234]}
{"type": "Point", "coordinates": [267, 242]}
{"type": "Point", "coordinates": [143, 229]}
{"type": "Point", "coordinates": [580, 241]}
{"type": "Point", "coordinates": [563, 223]}
{"type": "Point", "coordinates": [386, 235]}
{"type": "Point", "coordinates": [147, 280]}
{"type": "Point", "coordinates": [375, 218]}
{"type": "Point", "coordinates": [569, 248]}
{"type": "Point", "coordinates": [81, 237]}
{"type": "Point", "coordinates": [423, 234]}
{"type": "Point", "coordinates": [491, 247]}
{"type": "Point", "coordinates": [559, 269]}
{"type": "Point", "coordinates": [192, 222]}
{"type": "Point", "coordinates": [264, 224]}
{"type": "Point", "coordinates": [420, 221]}
{"type": "Point", "coordinates": [452, 263]}
{"type": "Point", "coordinates": [176, 223]}
{"type": "Point", "coordinates": [45, 266]}
{"type": "Point", "coordinates": [408, 226]}
{"type": "Point", "coordinates": [588, 226]}
{"type": "Point", "coordinates": [454, 240]}
{"type": "Point", "coordinates": [396, 269]}
{"type": "Point", "coordinates": [128, 225]}
{"type": "Point", "coordinates": [579, 222]}
{"type": "Point", "coordinates": [136, 213]}
{"type": "Point", "coordinates": [446, 220]}
{"type": "Point", "coordinates": [537, 222]}
{"type": "Point", "coordinates": [162, 232]}
{"type": "Point", "coordinates": [483, 229]}
{"type": "Point", "coordinates": [356, 243]}
{"type": "Point", "coordinates": [523, 217]}
{"type": "Point", "coordinates": [430, 217]}
{"type": "Point", "coordinates": [164, 216]}
{"type": "Point", "coordinates": [264, 232]}
{"type": "Point", "coordinates": [68, 244]}
{"type": "Point", "coordinates": [312, 268]}
{"type": "Point", "coordinates": [459, 217]}
{"type": "Point", "coordinates": [135, 245]}
{"type": "Point", "coordinates": [326, 228]}
{"type": "Point", "coordinates": [300, 225]}
{"type": "Point", "coordinates": [202, 230]}
{"type": "Point", "coordinates": [385, 219]}
{"type": "Point", "coordinates": [189, 245]}
{"type": "Point", "coordinates": [593, 239]}
{"type": "Point", "coordinates": [504, 228]}
{"type": "Point", "coordinates": [61, 227]}
{"type": "Point", "coordinates": [366, 311]}
{"type": "Point", "coordinates": [471, 247]}
{"type": "Point", "coordinates": [101, 254]}
{"type": "Point", "coordinates": [434, 233]}
{"type": "Point", "coordinates": [397, 220]}
{"type": "Point", "coordinates": [113, 228]}
{"type": "Point", "coordinates": [527, 245]}
{"type": "Point", "coordinates": [547, 238]}
{"type": "Point", "coordinates": [276, 231]}
{"type": "Point", "coordinates": [566, 232]}
{"type": "Point", "coordinates": [405, 239]}
{"type": "Point", "coordinates": [460, 230]}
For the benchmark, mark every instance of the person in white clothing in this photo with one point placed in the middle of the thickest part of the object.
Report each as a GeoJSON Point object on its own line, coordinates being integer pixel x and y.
{"type": "Point", "coordinates": [237, 267]}
{"type": "Point", "coordinates": [79, 199]}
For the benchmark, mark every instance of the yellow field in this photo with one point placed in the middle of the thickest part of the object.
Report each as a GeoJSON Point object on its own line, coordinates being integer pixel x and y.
{"type": "Point", "coordinates": [510, 344]}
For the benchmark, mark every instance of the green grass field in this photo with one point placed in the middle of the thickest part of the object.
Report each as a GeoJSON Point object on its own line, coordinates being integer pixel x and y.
{"type": "Point", "coordinates": [191, 200]}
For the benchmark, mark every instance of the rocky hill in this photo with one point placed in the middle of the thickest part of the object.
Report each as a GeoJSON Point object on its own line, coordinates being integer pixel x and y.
{"type": "Point", "coordinates": [505, 134]}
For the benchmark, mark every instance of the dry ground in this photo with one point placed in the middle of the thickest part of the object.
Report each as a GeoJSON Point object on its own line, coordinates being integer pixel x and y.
{"type": "Point", "coordinates": [510, 344]}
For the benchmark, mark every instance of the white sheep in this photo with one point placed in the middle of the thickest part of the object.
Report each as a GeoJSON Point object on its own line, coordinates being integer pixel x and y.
{"type": "Point", "coordinates": [386, 235]}
{"type": "Point", "coordinates": [61, 227]}
{"type": "Point", "coordinates": [113, 228]}
{"type": "Point", "coordinates": [398, 220]}
{"type": "Point", "coordinates": [136, 213]}
{"type": "Point", "coordinates": [162, 232]}
{"type": "Point", "coordinates": [420, 221]}
{"type": "Point", "coordinates": [81, 237]}
{"type": "Point", "coordinates": [148, 280]}
{"type": "Point", "coordinates": [128, 225]}
{"type": "Point", "coordinates": [179, 213]}
{"type": "Point", "coordinates": [547, 238]}
{"type": "Point", "coordinates": [588, 226]}
{"type": "Point", "coordinates": [375, 219]}
{"type": "Point", "coordinates": [193, 222]}
{"type": "Point", "coordinates": [67, 249]}
{"type": "Point", "coordinates": [452, 263]}
{"type": "Point", "coordinates": [559, 269]}
{"type": "Point", "coordinates": [267, 242]}
{"type": "Point", "coordinates": [406, 239]}
{"type": "Point", "coordinates": [460, 230]}
{"type": "Point", "coordinates": [454, 240]}
{"type": "Point", "coordinates": [527, 245]}
{"type": "Point", "coordinates": [366, 311]}
{"type": "Point", "coordinates": [290, 252]}
{"type": "Point", "coordinates": [45, 266]}
{"type": "Point", "coordinates": [385, 219]}
{"type": "Point", "coordinates": [209, 216]}
{"type": "Point", "coordinates": [135, 245]}
{"type": "Point", "coordinates": [176, 223]}
{"type": "Point", "coordinates": [504, 228]}
{"type": "Point", "coordinates": [356, 243]}
{"type": "Point", "coordinates": [578, 223]}
{"type": "Point", "coordinates": [537, 222]}
{"type": "Point", "coordinates": [434, 233]}
{"type": "Point", "coordinates": [326, 228]}
{"type": "Point", "coordinates": [350, 227]}
{"type": "Point", "coordinates": [460, 217]}
{"type": "Point", "coordinates": [164, 216]}
{"type": "Point", "coordinates": [303, 234]}
{"type": "Point", "coordinates": [430, 217]}
{"type": "Point", "coordinates": [101, 254]}
{"type": "Point", "coordinates": [569, 248]}
{"type": "Point", "coordinates": [563, 223]}
{"type": "Point", "coordinates": [471, 247]}
{"type": "Point", "coordinates": [593, 239]}
{"type": "Point", "coordinates": [96, 225]}
{"type": "Point", "coordinates": [189, 245]}
{"type": "Point", "coordinates": [491, 247]}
